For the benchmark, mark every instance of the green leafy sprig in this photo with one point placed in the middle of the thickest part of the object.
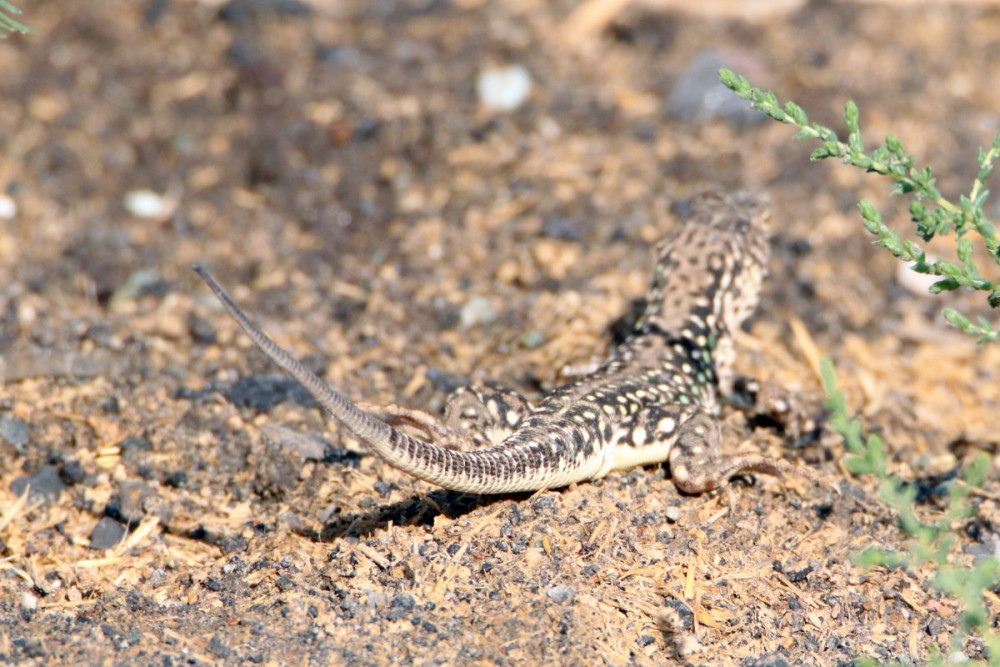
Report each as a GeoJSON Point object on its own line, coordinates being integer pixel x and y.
{"type": "Point", "coordinates": [7, 23]}
{"type": "Point", "coordinates": [932, 213]}
{"type": "Point", "coordinates": [930, 543]}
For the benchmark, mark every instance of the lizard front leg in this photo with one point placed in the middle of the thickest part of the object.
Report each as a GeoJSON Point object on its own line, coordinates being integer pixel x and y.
{"type": "Point", "coordinates": [697, 465]}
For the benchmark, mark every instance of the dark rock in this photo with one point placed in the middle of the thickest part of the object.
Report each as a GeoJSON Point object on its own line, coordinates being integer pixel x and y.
{"type": "Point", "coordinates": [218, 648]}
{"type": "Point", "coordinates": [232, 545]}
{"type": "Point", "coordinates": [794, 576]}
{"type": "Point", "coordinates": [544, 505]}
{"type": "Point", "coordinates": [699, 96]}
{"type": "Point", "coordinates": [446, 382]}
{"type": "Point", "coordinates": [263, 392]}
{"type": "Point", "coordinates": [681, 619]}
{"type": "Point", "coordinates": [46, 484]}
{"type": "Point", "coordinates": [155, 10]}
{"type": "Point", "coordinates": [135, 445]}
{"type": "Point", "coordinates": [563, 228]}
{"type": "Point", "coordinates": [107, 534]}
{"type": "Point", "coordinates": [403, 601]}
{"type": "Point", "coordinates": [72, 472]}
{"type": "Point", "coordinates": [178, 479]}
{"type": "Point", "coordinates": [15, 432]}
{"type": "Point", "coordinates": [255, 68]}
{"type": "Point", "coordinates": [242, 11]}
{"type": "Point", "coordinates": [201, 330]}
{"type": "Point", "coordinates": [34, 649]}
{"type": "Point", "coordinates": [339, 56]}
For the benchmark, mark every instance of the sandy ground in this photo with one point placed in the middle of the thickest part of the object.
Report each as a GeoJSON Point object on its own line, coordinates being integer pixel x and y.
{"type": "Point", "coordinates": [333, 165]}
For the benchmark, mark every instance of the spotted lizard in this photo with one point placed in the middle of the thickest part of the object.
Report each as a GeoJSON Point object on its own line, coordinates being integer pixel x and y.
{"type": "Point", "coordinates": [655, 399]}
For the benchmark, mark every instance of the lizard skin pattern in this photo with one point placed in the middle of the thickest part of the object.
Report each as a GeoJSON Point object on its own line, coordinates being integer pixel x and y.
{"type": "Point", "coordinates": [655, 399]}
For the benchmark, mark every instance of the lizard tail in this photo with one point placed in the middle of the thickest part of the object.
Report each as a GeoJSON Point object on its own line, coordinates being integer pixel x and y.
{"type": "Point", "coordinates": [504, 468]}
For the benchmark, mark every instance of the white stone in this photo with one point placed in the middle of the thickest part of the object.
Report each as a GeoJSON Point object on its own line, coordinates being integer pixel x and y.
{"type": "Point", "coordinates": [503, 88]}
{"type": "Point", "coordinates": [146, 204]}
{"type": "Point", "coordinates": [8, 207]}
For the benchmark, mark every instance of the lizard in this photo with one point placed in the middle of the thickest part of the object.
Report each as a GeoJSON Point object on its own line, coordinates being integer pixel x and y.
{"type": "Point", "coordinates": [655, 399]}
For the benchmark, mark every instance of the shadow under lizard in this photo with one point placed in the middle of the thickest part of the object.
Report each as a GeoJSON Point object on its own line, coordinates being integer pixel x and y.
{"type": "Point", "coordinates": [655, 399]}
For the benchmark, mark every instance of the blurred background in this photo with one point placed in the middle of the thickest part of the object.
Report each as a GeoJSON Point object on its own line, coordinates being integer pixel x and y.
{"type": "Point", "coordinates": [418, 194]}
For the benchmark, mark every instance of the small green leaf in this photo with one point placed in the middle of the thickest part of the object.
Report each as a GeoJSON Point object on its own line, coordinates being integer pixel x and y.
{"type": "Point", "coordinates": [869, 212]}
{"type": "Point", "coordinates": [964, 252]}
{"type": "Point", "coordinates": [863, 162]}
{"type": "Point", "coordinates": [736, 83]}
{"type": "Point", "coordinates": [956, 318]}
{"type": "Point", "coordinates": [946, 285]}
{"type": "Point", "coordinates": [851, 117]}
{"type": "Point", "coordinates": [820, 153]}
{"type": "Point", "coordinates": [895, 146]}
{"type": "Point", "coordinates": [976, 473]}
{"type": "Point", "coordinates": [796, 113]}
{"type": "Point", "coordinates": [828, 376]}
{"type": "Point", "coordinates": [856, 144]}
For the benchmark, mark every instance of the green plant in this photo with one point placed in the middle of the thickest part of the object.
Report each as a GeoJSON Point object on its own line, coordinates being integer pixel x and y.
{"type": "Point", "coordinates": [933, 214]}
{"type": "Point", "coordinates": [930, 543]}
{"type": "Point", "coordinates": [8, 24]}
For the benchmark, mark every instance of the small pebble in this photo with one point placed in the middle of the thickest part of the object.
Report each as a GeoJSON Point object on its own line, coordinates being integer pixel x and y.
{"type": "Point", "coordinates": [263, 392]}
{"type": "Point", "coordinates": [244, 11]}
{"type": "Point", "coordinates": [158, 578]}
{"type": "Point", "coordinates": [28, 601]}
{"type": "Point", "coordinates": [310, 447]}
{"type": "Point", "coordinates": [8, 207]}
{"type": "Point", "coordinates": [107, 534]}
{"type": "Point", "coordinates": [146, 204]}
{"type": "Point", "coordinates": [503, 88]}
{"type": "Point", "coordinates": [476, 310]}
{"type": "Point", "coordinates": [178, 479]}
{"type": "Point", "coordinates": [403, 601]}
{"type": "Point", "coordinates": [15, 432]}
{"type": "Point", "coordinates": [532, 339]}
{"type": "Point", "coordinates": [561, 594]}
{"type": "Point", "coordinates": [72, 472]}
{"type": "Point", "coordinates": [673, 513]}
{"type": "Point", "coordinates": [376, 599]}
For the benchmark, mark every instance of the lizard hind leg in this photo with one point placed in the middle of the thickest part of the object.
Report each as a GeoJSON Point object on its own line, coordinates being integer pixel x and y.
{"type": "Point", "coordinates": [697, 465]}
{"type": "Point", "coordinates": [429, 427]}
{"type": "Point", "coordinates": [474, 417]}
{"type": "Point", "coordinates": [485, 415]}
